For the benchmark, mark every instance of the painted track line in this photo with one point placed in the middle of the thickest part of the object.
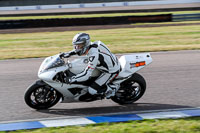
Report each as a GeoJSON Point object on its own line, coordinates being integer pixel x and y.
{"type": "Point", "coordinates": [99, 119]}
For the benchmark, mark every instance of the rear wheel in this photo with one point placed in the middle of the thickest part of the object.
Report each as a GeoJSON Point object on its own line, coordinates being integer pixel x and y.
{"type": "Point", "coordinates": [41, 96]}
{"type": "Point", "coordinates": [130, 90]}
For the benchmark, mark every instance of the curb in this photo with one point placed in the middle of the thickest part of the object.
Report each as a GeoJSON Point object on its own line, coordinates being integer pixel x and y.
{"type": "Point", "coordinates": [99, 119]}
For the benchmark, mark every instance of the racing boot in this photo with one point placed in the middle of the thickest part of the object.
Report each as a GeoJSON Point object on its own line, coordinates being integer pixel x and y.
{"type": "Point", "coordinates": [110, 92]}
{"type": "Point", "coordinates": [95, 93]}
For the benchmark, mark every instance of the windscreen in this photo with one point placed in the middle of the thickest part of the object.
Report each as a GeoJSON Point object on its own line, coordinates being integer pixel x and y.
{"type": "Point", "coordinates": [52, 62]}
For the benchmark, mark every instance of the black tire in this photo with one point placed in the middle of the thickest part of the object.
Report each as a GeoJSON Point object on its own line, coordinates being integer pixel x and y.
{"type": "Point", "coordinates": [130, 90]}
{"type": "Point", "coordinates": [41, 96]}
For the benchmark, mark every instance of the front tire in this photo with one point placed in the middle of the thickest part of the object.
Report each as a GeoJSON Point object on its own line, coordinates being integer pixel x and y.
{"type": "Point", "coordinates": [130, 90]}
{"type": "Point", "coordinates": [41, 96]}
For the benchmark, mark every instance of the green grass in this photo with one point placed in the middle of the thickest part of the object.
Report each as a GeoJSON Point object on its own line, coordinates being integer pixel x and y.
{"type": "Point", "coordinates": [93, 15]}
{"type": "Point", "coordinates": [188, 125]}
{"type": "Point", "coordinates": [122, 40]}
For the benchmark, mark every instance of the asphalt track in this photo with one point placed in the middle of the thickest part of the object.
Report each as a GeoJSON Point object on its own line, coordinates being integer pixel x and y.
{"type": "Point", "coordinates": [172, 83]}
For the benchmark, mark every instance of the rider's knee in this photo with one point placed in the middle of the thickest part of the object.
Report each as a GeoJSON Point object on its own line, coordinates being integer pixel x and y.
{"type": "Point", "coordinates": [92, 91]}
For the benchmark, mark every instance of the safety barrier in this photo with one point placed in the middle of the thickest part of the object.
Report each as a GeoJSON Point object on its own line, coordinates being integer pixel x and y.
{"type": "Point", "coordinates": [4, 3]}
{"type": "Point", "coordinates": [10, 24]}
{"type": "Point", "coordinates": [37, 23]}
{"type": "Point", "coordinates": [186, 17]}
{"type": "Point", "coordinates": [95, 5]}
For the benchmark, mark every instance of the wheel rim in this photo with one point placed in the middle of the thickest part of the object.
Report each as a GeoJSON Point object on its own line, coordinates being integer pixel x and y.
{"type": "Point", "coordinates": [43, 96]}
{"type": "Point", "coordinates": [129, 91]}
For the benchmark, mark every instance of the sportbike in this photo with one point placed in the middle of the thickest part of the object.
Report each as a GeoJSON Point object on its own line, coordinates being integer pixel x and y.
{"type": "Point", "coordinates": [54, 72]}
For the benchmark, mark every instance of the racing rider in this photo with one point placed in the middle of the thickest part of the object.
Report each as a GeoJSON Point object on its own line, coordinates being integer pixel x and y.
{"type": "Point", "coordinates": [99, 57]}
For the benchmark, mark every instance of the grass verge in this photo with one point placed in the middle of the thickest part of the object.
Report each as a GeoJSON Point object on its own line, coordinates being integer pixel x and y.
{"type": "Point", "coordinates": [187, 125]}
{"type": "Point", "coordinates": [122, 40]}
{"type": "Point", "coordinates": [94, 15]}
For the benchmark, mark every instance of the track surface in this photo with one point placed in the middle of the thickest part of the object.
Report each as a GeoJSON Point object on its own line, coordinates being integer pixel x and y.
{"type": "Point", "coordinates": [172, 82]}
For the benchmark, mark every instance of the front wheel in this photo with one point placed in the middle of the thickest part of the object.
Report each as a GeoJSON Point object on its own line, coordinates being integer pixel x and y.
{"type": "Point", "coordinates": [41, 96]}
{"type": "Point", "coordinates": [130, 90]}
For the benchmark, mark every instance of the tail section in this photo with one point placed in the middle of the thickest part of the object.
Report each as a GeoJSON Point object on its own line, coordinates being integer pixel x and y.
{"type": "Point", "coordinates": [134, 62]}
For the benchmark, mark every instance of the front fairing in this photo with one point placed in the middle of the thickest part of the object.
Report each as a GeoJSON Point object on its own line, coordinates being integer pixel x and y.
{"type": "Point", "coordinates": [50, 63]}
{"type": "Point", "coordinates": [50, 66]}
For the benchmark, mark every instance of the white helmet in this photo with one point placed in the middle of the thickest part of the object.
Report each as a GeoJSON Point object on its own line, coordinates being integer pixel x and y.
{"type": "Point", "coordinates": [81, 43]}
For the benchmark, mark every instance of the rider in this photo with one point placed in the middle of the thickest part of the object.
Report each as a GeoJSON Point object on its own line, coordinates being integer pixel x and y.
{"type": "Point", "coordinates": [99, 57]}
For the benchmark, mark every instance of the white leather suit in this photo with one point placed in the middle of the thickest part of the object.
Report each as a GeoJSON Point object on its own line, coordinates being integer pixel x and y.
{"type": "Point", "coordinates": [99, 57]}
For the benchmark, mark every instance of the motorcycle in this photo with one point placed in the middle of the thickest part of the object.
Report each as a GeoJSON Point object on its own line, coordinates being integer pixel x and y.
{"type": "Point", "coordinates": [54, 71]}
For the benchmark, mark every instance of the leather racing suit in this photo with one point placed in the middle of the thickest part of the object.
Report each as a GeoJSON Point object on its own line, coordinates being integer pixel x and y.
{"type": "Point", "coordinates": [99, 57]}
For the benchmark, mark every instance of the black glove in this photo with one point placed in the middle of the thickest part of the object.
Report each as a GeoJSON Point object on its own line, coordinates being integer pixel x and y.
{"type": "Point", "coordinates": [64, 55]}
{"type": "Point", "coordinates": [61, 55]}
{"type": "Point", "coordinates": [67, 55]}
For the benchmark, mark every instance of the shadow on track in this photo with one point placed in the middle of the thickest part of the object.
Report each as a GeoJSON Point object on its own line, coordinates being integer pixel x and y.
{"type": "Point", "coordinates": [112, 109]}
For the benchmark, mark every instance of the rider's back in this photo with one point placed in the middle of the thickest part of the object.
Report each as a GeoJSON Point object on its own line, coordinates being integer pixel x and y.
{"type": "Point", "coordinates": [107, 61]}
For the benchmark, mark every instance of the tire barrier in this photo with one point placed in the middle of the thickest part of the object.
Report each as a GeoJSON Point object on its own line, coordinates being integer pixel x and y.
{"type": "Point", "coordinates": [38, 23]}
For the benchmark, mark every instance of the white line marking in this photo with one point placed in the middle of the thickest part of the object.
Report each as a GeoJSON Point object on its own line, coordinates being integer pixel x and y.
{"type": "Point", "coordinates": [162, 115]}
{"type": "Point", "coordinates": [66, 122]}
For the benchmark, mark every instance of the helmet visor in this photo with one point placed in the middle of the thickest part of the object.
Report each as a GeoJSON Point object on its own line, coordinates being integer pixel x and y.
{"type": "Point", "coordinates": [79, 47]}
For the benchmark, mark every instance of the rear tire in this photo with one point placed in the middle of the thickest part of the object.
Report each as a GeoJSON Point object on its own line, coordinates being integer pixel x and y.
{"type": "Point", "coordinates": [41, 96]}
{"type": "Point", "coordinates": [130, 90]}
